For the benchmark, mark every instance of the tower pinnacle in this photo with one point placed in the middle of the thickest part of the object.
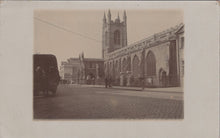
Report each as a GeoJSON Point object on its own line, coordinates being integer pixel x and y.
{"type": "Point", "coordinates": [117, 20]}
{"type": "Point", "coordinates": [109, 16]}
{"type": "Point", "coordinates": [124, 13]}
{"type": "Point", "coordinates": [104, 18]}
{"type": "Point", "coordinates": [125, 17]}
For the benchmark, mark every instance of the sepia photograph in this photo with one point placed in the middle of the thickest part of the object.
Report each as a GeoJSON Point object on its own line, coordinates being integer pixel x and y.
{"type": "Point", "coordinates": [102, 69]}
{"type": "Point", "coordinates": [108, 64]}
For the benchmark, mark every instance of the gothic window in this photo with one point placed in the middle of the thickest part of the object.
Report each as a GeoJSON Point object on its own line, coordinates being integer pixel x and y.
{"type": "Point", "coordinates": [117, 37]}
{"type": "Point", "coordinates": [106, 39]}
{"type": "Point", "coordinates": [151, 64]}
{"type": "Point", "coordinates": [136, 68]}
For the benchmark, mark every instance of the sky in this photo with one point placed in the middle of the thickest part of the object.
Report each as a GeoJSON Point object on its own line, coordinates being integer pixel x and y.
{"type": "Point", "coordinates": [67, 33]}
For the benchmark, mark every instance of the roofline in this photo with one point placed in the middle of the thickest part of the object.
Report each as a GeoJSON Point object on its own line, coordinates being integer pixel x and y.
{"type": "Point", "coordinates": [92, 59]}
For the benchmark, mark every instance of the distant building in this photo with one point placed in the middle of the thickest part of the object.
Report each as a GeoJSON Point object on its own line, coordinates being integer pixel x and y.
{"type": "Point", "coordinates": [91, 70]}
{"type": "Point", "coordinates": [69, 70]}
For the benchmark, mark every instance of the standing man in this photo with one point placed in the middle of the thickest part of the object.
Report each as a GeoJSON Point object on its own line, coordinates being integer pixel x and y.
{"type": "Point", "coordinates": [106, 82]}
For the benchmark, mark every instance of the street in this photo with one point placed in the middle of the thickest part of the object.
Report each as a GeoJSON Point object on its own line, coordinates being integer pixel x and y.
{"type": "Point", "coordinates": [88, 102]}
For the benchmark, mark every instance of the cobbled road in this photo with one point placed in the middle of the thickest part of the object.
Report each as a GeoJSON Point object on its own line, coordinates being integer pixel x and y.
{"type": "Point", "coordinates": [77, 102]}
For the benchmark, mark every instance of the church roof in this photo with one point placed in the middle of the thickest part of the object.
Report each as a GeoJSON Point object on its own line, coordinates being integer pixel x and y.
{"type": "Point", "coordinates": [93, 59]}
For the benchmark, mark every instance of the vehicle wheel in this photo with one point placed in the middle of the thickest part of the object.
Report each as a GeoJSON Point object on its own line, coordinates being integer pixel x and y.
{"type": "Point", "coordinates": [54, 93]}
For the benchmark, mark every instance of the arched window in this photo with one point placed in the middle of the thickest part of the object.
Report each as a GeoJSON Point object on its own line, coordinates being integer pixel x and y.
{"type": "Point", "coordinates": [117, 37]}
{"type": "Point", "coordinates": [151, 64]}
{"type": "Point", "coordinates": [136, 68]}
{"type": "Point", "coordinates": [106, 38]}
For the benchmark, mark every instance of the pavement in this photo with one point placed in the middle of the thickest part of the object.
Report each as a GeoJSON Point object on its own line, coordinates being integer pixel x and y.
{"type": "Point", "coordinates": [168, 89]}
{"type": "Point", "coordinates": [175, 93]}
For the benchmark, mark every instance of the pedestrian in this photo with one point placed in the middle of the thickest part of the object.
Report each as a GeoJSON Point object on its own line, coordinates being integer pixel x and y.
{"type": "Point", "coordinates": [143, 83]}
{"type": "Point", "coordinates": [93, 80]}
{"type": "Point", "coordinates": [110, 82]}
{"type": "Point", "coordinates": [150, 82]}
{"type": "Point", "coordinates": [106, 82]}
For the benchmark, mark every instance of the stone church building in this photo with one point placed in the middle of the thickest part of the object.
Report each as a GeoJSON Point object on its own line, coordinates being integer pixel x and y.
{"type": "Point", "coordinates": [156, 61]}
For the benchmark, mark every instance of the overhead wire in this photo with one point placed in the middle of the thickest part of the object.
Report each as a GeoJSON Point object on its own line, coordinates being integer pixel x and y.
{"type": "Point", "coordinates": [70, 31]}
{"type": "Point", "coordinates": [65, 29]}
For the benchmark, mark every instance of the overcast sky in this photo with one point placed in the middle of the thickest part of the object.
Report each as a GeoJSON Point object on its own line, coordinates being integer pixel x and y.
{"type": "Point", "coordinates": [67, 33]}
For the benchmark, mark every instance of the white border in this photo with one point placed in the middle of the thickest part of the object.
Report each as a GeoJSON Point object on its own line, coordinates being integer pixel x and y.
{"type": "Point", "coordinates": [201, 97]}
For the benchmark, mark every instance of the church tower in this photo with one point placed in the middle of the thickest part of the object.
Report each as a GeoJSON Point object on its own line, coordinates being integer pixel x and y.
{"type": "Point", "coordinates": [114, 33]}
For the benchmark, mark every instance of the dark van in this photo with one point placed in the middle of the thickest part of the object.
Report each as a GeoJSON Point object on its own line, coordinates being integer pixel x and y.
{"type": "Point", "coordinates": [46, 75]}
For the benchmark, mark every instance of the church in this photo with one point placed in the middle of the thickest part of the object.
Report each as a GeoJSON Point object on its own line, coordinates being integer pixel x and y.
{"type": "Point", "coordinates": [156, 61]}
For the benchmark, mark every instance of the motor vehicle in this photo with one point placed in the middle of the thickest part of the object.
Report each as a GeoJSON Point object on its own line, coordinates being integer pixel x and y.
{"type": "Point", "coordinates": [46, 75]}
